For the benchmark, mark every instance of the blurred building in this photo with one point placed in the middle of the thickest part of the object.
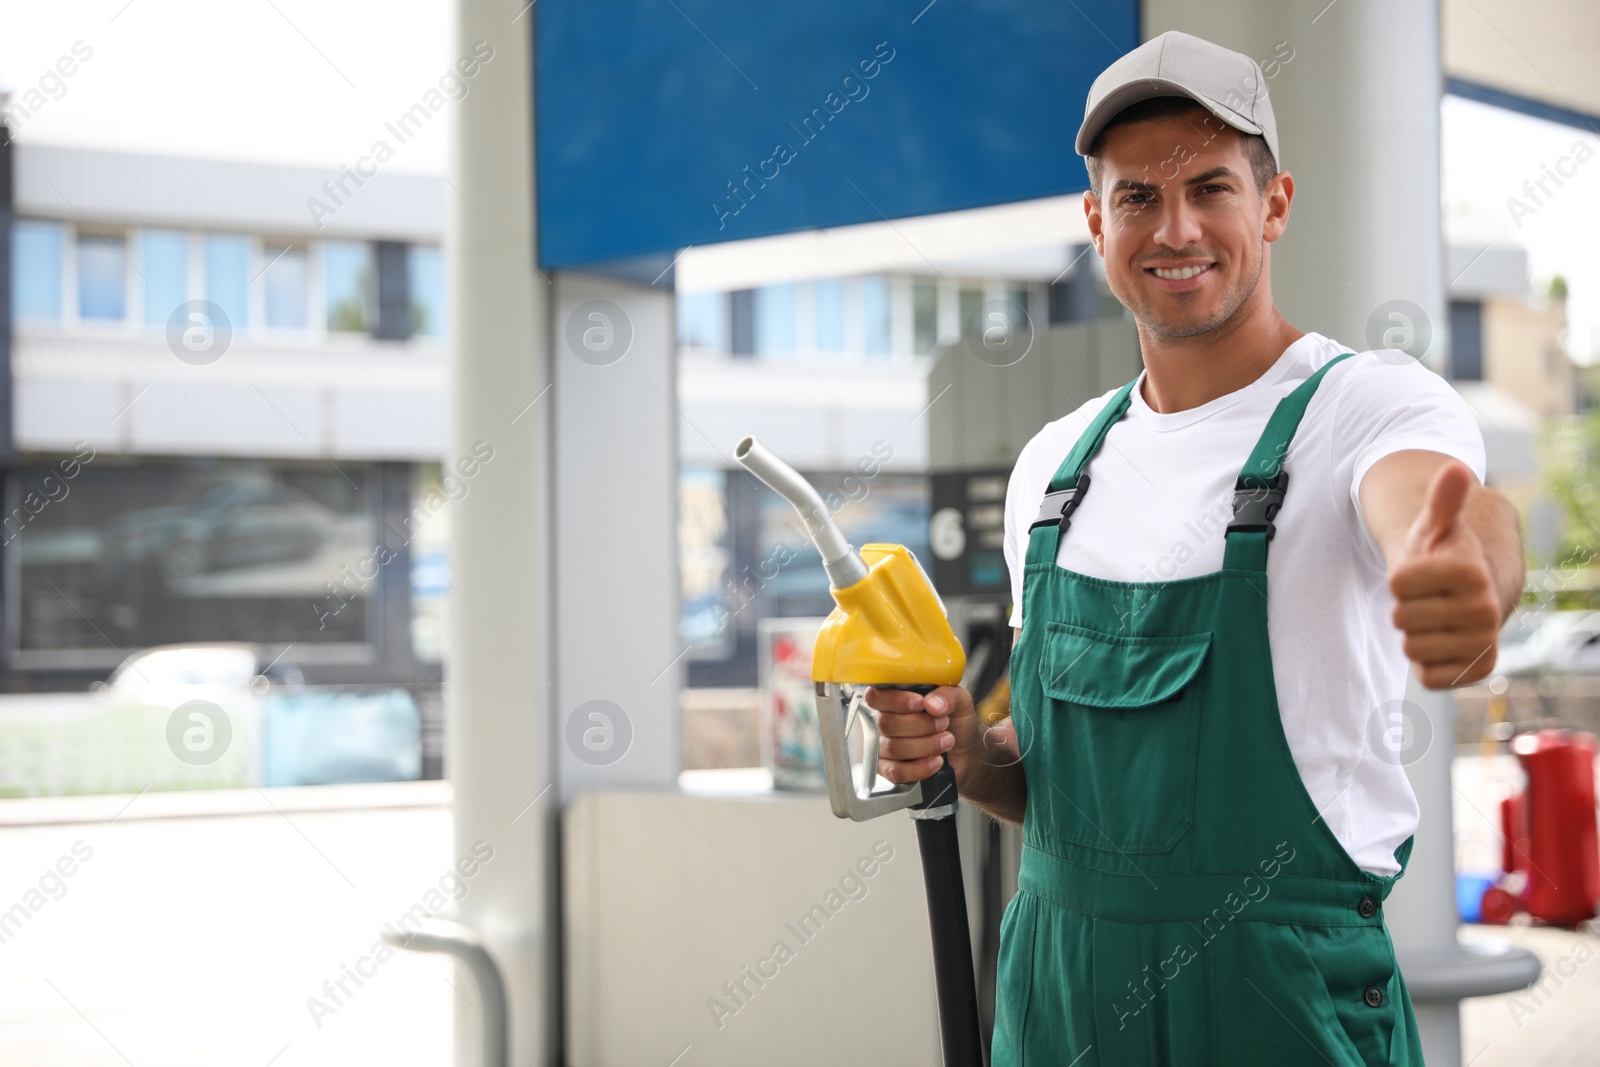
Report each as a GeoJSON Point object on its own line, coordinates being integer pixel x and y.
{"type": "Point", "coordinates": [227, 404]}
{"type": "Point", "coordinates": [1502, 332]}
{"type": "Point", "coordinates": [229, 418]}
{"type": "Point", "coordinates": [1508, 359]}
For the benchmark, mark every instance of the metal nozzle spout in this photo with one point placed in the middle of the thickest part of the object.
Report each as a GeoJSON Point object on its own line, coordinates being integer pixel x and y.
{"type": "Point", "coordinates": [843, 563]}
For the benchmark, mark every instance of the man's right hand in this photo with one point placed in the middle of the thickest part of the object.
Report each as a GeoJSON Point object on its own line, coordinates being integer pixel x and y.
{"type": "Point", "coordinates": [916, 730]}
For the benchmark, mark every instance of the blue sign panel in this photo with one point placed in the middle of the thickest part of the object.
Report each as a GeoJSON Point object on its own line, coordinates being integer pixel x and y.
{"type": "Point", "coordinates": [668, 123]}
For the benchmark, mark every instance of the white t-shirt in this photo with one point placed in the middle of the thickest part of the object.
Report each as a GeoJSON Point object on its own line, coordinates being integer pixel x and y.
{"type": "Point", "coordinates": [1161, 494]}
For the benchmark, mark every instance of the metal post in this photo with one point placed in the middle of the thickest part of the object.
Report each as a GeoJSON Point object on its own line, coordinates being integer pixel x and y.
{"type": "Point", "coordinates": [498, 637]}
{"type": "Point", "coordinates": [463, 942]}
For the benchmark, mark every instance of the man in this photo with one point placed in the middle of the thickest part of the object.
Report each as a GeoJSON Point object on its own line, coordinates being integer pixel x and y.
{"type": "Point", "coordinates": [1206, 688]}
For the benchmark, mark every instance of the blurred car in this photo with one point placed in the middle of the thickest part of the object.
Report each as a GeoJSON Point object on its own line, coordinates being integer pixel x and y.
{"type": "Point", "coordinates": [296, 734]}
{"type": "Point", "coordinates": [164, 671]}
{"type": "Point", "coordinates": [206, 716]}
{"type": "Point", "coordinates": [234, 677]}
{"type": "Point", "coordinates": [1557, 642]}
{"type": "Point", "coordinates": [169, 717]}
{"type": "Point", "coordinates": [238, 524]}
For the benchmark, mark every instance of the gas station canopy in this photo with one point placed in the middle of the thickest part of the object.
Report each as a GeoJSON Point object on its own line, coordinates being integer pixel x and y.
{"type": "Point", "coordinates": [1534, 58]}
{"type": "Point", "coordinates": [716, 120]}
{"type": "Point", "coordinates": [713, 121]}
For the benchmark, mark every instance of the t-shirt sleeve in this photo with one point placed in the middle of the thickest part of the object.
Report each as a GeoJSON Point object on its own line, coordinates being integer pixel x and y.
{"type": "Point", "coordinates": [1393, 408]}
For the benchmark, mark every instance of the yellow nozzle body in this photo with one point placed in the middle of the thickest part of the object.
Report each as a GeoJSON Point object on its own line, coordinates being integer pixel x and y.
{"type": "Point", "coordinates": [888, 628]}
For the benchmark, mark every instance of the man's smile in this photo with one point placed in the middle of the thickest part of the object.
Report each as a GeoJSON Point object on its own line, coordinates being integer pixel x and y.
{"type": "Point", "coordinates": [1177, 277]}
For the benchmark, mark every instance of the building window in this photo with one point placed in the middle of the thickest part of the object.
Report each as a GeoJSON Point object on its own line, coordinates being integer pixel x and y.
{"type": "Point", "coordinates": [285, 284]}
{"type": "Point", "coordinates": [774, 310]}
{"type": "Point", "coordinates": [210, 550]}
{"type": "Point", "coordinates": [829, 299]}
{"type": "Point", "coordinates": [347, 285]}
{"type": "Point", "coordinates": [875, 315]}
{"type": "Point", "coordinates": [1466, 340]}
{"type": "Point", "coordinates": [425, 266]}
{"type": "Point", "coordinates": [703, 321]}
{"type": "Point", "coordinates": [164, 262]}
{"type": "Point", "coordinates": [704, 558]}
{"type": "Point", "coordinates": [102, 285]}
{"type": "Point", "coordinates": [1018, 314]}
{"type": "Point", "coordinates": [228, 275]}
{"type": "Point", "coordinates": [924, 317]}
{"type": "Point", "coordinates": [971, 311]}
{"type": "Point", "coordinates": [430, 562]}
{"type": "Point", "coordinates": [742, 323]}
{"type": "Point", "coordinates": [1019, 297]}
{"type": "Point", "coordinates": [36, 271]}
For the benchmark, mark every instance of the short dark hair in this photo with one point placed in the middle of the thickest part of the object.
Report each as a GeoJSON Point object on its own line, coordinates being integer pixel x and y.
{"type": "Point", "coordinates": [1262, 166]}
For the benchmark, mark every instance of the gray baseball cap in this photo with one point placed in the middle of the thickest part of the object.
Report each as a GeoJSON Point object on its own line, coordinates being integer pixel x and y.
{"type": "Point", "coordinates": [1228, 84]}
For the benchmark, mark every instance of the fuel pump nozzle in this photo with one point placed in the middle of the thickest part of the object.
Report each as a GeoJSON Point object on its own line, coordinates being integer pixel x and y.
{"type": "Point", "coordinates": [843, 563]}
{"type": "Point", "coordinates": [888, 629]}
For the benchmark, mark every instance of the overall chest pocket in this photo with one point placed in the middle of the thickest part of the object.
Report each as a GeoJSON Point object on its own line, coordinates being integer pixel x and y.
{"type": "Point", "coordinates": [1123, 726]}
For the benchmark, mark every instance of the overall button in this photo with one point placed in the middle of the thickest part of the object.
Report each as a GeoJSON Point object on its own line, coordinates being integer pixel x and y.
{"type": "Point", "coordinates": [1373, 996]}
{"type": "Point", "coordinates": [1367, 908]}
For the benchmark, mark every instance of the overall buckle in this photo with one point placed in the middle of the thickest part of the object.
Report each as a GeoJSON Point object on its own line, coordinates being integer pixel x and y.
{"type": "Point", "coordinates": [1057, 508]}
{"type": "Point", "coordinates": [1255, 508]}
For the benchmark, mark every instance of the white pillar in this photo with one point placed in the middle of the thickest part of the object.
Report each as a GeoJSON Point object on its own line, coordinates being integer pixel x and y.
{"type": "Point", "coordinates": [1355, 87]}
{"type": "Point", "coordinates": [617, 635]}
{"type": "Point", "coordinates": [499, 662]}
{"type": "Point", "coordinates": [1421, 911]}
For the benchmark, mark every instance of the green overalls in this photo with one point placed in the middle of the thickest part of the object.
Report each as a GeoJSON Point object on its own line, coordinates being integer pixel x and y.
{"type": "Point", "coordinates": [1180, 899]}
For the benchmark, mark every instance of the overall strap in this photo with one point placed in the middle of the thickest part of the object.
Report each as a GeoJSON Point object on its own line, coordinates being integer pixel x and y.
{"type": "Point", "coordinates": [1070, 482]}
{"type": "Point", "coordinates": [1258, 494]}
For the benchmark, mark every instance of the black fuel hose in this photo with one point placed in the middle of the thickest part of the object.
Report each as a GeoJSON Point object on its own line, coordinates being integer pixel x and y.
{"type": "Point", "coordinates": [954, 982]}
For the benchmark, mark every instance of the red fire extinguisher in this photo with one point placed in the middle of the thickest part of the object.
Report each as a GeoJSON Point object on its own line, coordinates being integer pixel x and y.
{"type": "Point", "coordinates": [1551, 848]}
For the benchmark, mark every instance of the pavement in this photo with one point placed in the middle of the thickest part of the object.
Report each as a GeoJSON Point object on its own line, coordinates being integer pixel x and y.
{"type": "Point", "coordinates": [1554, 1024]}
{"type": "Point", "coordinates": [200, 941]}
{"type": "Point", "coordinates": [197, 940]}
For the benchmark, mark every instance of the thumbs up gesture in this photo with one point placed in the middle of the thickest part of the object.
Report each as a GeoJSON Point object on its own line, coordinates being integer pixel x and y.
{"type": "Point", "coordinates": [1446, 599]}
